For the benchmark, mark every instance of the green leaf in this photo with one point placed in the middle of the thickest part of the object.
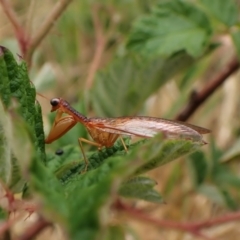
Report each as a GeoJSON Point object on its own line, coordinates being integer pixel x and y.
{"type": "Point", "coordinates": [171, 27]}
{"type": "Point", "coordinates": [17, 150]}
{"type": "Point", "coordinates": [219, 195]}
{"type": "Point", "coordinates": [98, 185]}
{"type": "Point", "coordinates": [14, 80]}
{"type": "Point", "coordinates": [216, 155]}
{"type": "Point", "coordinates": [212, 192]}
{"type": "Point", "coordinates": [162, 152]}
{"type": "Point", "coordinates": [12, 69]}
{"type": "Point", "coordinates": [22, 89]}
{"type": "Point", "coordinates": [46, 185]}
{"type": "Point", "coordinates": [5, 147]}
{"type": "Point", "coordinates": [123, 87]}
{"type": "Point", "coordinates": [4, 81]}
{"type": "Point", "coordinates": [236, 40]}
{"type": "Point", "coordinates": [63, 159]}
{"type": "Point", "coordinates": [26, 94]}
{"type": "Point", "coordinates": [39, 133]}
{"type": "Point", "coordinates": [83, 199]}
{"type": "Point", "coordinates": [151, 154]}
{"type": "Point", "coordinates": [172, 180]}
{"type": "Point", "coordinates": [225, 11]}
{"type": "Point", "coordinates": [229, 200]}
{"type": "Point", "coordinates": [199, 166]}
{"type": "Point", "coordinates": [86, 209]}
{"type": "Point", "coordinates": [21, 143]}
{"type": "Point", "coordinates": [140, 188]}
{"type": "Point", "coordinates": [232, 153]}
{"type": "Point", "coordinates": [17, 181]}
{"type": "Point", "coordinates": [20, 86]}
{"type": "Point", "coordinates": [68, 165]}
{"type": "Point", "coordinates": [224, 177]}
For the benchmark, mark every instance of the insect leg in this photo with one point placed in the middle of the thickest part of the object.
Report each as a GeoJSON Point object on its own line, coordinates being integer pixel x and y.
{"type": "Point", "coordinates": [123, 143]}
{"type": "Point", "coordinates": [80, 140]}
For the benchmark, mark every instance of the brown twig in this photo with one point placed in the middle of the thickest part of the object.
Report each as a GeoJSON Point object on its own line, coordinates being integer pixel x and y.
{"type": "Point", "coordinates": [19, 31]}
{"type": "Point", "coordinates": [26, 44]}
{"type": "Point", "coordinates": [36, 228]}
{"type": "Point", "coordinates": [100, 46]}
{"type": "Point", "coordinates": [199, 97]}
{"type": "Point", "coordinates": [193, 228]}
{"type": "Point", "coordinates": [50, 20]}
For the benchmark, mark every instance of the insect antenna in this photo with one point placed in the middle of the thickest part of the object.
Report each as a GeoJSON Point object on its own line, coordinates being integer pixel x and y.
{"type": "Point", "coordinates": [39, 94]}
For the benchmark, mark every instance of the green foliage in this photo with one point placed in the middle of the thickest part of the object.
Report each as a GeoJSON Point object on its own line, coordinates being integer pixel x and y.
{"type": "Point", "coordinates": [199, 165]}
{"type": "Point", "coordinates": [106, 170]}
{"type": "Point", "coordinates": [224, 11]}
{"type": "Point", "coordinates": [102, 181]}
{"type": "Point", "coordinates": [167, 152]}
{"type": "Point", "coordinates": [168, 42]}
{"type": "Point", "coordinates": [214, 179]}
{"type": "Point", "coordinates": [172, 26]}
{"type": "Point", "coordinates": [5, 151]}
{"type": "Point", "coordinates": [16, 84]}
{"type": "Point", "coordinates": [236, 40]}
{"type": "Point", "coordinates": [70, 195]}
{"type": "Point", "coordinates": [142, 188]}
{"type": "Point", "coordinates": [15, 135]}
{"type": "Point", "coordinates": [232, 153]}
{"type": "Point", "coordinates": [135, 79]}
{"type": "Point", "coordinates": [4, 86]}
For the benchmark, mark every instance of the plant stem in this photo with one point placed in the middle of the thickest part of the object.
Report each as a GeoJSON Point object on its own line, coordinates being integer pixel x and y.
{"type": "Point", "coordinates": [197, 98]}
{"type": "Point", "coordinates": [100, 45]}
{"type": "Point", "coordinates": [56, 12]}
{"type": "Point", "coordinates": [193, 228]}
{"type": "Point", "coordinates": [19, 31]}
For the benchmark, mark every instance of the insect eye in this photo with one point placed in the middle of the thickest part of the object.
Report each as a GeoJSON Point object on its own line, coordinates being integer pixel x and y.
{"type": "Point", "coordinates": [54, 102]}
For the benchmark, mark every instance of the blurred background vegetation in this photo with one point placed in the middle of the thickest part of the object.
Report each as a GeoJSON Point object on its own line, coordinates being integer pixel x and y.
{"type": "Point", "coordinates": [114, 58]}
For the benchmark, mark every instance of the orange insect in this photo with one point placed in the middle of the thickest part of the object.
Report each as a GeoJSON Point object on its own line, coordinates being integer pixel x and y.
{"type": "Point", "coordinates": [105, 131]}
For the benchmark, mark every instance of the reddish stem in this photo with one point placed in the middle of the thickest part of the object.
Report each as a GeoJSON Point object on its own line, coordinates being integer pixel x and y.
{"type": "Point", "coordinates": [199, 97]}
{"type": "Point", "coordinates": [19, 31]}
{"type": "Point", "coordinates": [193, 228]}
{"type": "Point", "coordinates": [100, 45]}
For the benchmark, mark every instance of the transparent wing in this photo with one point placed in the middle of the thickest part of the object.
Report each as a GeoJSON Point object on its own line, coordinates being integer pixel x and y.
{"type": "Point", "coordinates": [149, 127]}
